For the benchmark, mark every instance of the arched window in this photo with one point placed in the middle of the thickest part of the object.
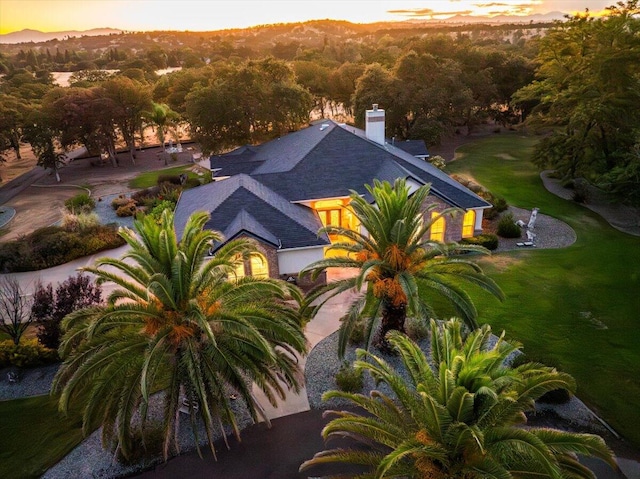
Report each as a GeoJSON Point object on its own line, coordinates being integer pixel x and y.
{"type": "Point", "coordinates": [437, 227]}
{"type": "Point", "coordinates": [468, 224]}
{"type": "Point", "coordinates": [259, 266]}
{"type": "Point", "coordinates": [238, 270]}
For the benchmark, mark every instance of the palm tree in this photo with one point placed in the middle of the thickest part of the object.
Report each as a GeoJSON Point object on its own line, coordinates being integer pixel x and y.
{"type": "Point", "coordinates": [462, 418]}
{"type": "Point", "coordinates": [403, 270]}
{"type": "Point", "coordinates": [162, 117]}
{"type": "Point", "coordinates": [177, 325]}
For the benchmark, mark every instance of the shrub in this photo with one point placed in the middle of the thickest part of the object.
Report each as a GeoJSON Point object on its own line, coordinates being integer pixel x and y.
{"type": "Point", "coordinates": [357, 334]}
{"type": "Point", "coordinates": [437, 161]}
{"type": "Point", "coordinates": [349, 379]}
{"type": "Point", "coordinates": [80, 221]}
{"type": "Point", "coordinates": [160, 207]}
{"type": "Point", "coordinates": [487, 240]}
{"type": "Point", "coordinates": [49, 309]}
{"type": "Point", "coordinates": [507, 228]}
{"type": "Point", "coordinates": [120, 201]}
{"type": "Point", "coordinates": [80, 203]}
{"type": "Point", "coordinates": [171, 179]}
{"type": "Point", "coordinates": [192, 183]}
{"type": "Point", "coordinates": [499, 203]}
{"type": "Point", "coordinates": [129, 209]}
{"type": "Point", "coordinates": [143, 196]}
{"type": "Point", "coordinates": [169, 192]}
{"type": "Point", "coordinates": [416, 329]}
{"type": "Point", "coordinates": [26, 354]}
{"type": "Point", "coordinates": [51, 246]}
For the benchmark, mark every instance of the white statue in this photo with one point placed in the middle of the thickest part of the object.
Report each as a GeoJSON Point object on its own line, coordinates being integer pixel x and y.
{"type": "Point", "coordinates": [531, 236]}
{"type": "Point", "coordinates": [532, 219]}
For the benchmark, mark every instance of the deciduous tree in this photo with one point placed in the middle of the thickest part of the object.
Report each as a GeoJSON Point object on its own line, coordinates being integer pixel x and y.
{"type": "Point", "coordinates": [15, 309]}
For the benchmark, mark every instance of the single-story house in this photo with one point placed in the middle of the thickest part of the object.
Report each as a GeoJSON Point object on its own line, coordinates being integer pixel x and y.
{"type": "Point", "coordinates": [280, 193]}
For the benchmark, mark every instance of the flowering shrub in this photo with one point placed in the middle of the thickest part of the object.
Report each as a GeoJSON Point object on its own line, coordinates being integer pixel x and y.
{"type": "Point", "coordinates": [27, 354]}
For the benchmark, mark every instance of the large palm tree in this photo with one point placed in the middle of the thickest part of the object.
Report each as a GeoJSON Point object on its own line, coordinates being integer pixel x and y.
{"type": "Point", "coordinates": [404, 271]}
{"type": "Point", "coordinates": [462, 418]}
{"type": "Point", "coordinates": [176, 325]}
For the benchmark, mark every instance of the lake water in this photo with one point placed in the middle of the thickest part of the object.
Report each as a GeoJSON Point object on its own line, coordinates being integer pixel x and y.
{"type": "Point", "coordinates": [62, 78]}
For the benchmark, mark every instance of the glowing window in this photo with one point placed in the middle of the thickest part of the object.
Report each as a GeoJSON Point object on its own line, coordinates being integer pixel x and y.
{"type": "Point", "coordinates": [437, 227]}
{"type": "Point", "coordinates": [259, 266]}
{"type": "Point", "coordinates": [468, 224]}
{"type": "Point", "coordinates": [238, 271]}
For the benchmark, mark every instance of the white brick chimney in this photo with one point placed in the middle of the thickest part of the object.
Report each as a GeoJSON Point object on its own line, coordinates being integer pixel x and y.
{"type": "Point", "coordinates": [374, 129]}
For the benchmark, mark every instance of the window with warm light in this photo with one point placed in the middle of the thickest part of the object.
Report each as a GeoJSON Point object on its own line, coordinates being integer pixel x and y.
{"type": "Point", "coordinates": [238, 271]}
{"type": "Point", "coordinates": [437, 227]}
{"type": "Point", "coordinates": [469, 224]}
{"type": "Point", "coordinates": [330, 217]}
{"type": "Point", "coordinates": [259, 266]}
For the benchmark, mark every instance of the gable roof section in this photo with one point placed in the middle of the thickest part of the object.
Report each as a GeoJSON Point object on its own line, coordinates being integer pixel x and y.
{"type": "Point", "coordinates": [338, 163]}
{"type": "Point", "coordinates": [442, 185]}
{"type": "Point", "coordinates": [413, 147]}
{"type": "Point", "coordinates": [328, 160]}
{"type": "Point", "coordinates": [240, 160]}
{"type": "Point", "coordinates": [235, 204]}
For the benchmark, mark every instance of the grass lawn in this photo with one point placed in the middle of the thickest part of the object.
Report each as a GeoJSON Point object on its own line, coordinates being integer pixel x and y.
{"type": "Point", "coordinates": [577, 308]}
{"type": "Point", "coordinates": [150, 178]}
{"type": "Point", "coordinates": [34, 436]}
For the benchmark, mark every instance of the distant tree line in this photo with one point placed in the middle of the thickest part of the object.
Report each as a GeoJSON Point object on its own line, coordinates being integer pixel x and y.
{"type": "Point", "coordinates": [577, 83]}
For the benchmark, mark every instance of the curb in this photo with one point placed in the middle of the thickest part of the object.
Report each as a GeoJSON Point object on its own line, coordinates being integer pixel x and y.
{"type": "Point", "coordinates": [7, 209]}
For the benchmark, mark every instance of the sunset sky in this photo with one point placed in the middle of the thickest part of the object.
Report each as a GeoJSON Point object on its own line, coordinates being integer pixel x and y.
{"type": "Point", "coordinates": [203, 15]}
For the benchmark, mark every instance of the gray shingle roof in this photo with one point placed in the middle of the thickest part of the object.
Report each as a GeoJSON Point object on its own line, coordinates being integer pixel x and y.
{"type": "Point", "coordinates": [325, 160]}
{"type": "Point", "coordinates": [240, 160]}
{"type": "Point", "coordinates": [242, 204]}
{"type": "Point", "coordinates": [413, 147]}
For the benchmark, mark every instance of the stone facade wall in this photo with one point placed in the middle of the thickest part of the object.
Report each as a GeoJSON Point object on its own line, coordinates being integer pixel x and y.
{"type": "Point", "coordinates": [269, 252]}
{"type": "Point", "coordinates": [453, 224]}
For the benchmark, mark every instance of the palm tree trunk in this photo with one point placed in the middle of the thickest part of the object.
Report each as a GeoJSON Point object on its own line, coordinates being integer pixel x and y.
{"type": "Point", "coordinates": [393, 317]}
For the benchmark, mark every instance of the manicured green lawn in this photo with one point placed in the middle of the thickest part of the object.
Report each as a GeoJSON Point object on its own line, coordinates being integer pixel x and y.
{"type": "Point", "coordinates": [34, 436]}
{"type": "Point", "coordinates": [150, 178]}
{"type": "Point", "coordinates": [578, 307]}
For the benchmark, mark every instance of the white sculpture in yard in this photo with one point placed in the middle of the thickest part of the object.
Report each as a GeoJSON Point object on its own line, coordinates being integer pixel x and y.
{"type": "Point", "coordinates": [532, 219]}
{"type": "Point", "coordinates": [531, 236]}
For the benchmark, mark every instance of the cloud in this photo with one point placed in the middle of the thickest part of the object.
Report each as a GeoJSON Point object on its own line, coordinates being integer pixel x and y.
{"type": "Point", "coordinates": [427, 12]}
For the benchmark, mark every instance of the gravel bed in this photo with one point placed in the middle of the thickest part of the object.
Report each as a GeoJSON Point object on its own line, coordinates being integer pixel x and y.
{"type": "Point", "coordinates": [550, 232]}
{"type": "Point", "coordinates": [91, 460]}
{"type": "Point", "coordinates": [33, 382]}
{"type": "Point", "coordinates": [323, 364]}
{"type": "Point", "coordinates": [108, 215]}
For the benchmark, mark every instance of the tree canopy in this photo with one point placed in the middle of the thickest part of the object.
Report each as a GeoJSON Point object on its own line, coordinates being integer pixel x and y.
{"type": "Point", "coordinates": [587, 89]}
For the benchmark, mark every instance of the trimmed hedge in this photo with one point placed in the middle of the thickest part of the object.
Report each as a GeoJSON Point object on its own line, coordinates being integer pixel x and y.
{"type": "Point", "coordinates": [27, 354]}
{"type": "Point", "coordinates": [53, 245]}
{"type": "Point", "coordinates": [488, 240]}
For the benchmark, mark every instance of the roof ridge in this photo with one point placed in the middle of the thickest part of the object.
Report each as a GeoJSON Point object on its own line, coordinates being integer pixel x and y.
{"type": "Point", "coordinates": [285, 202]}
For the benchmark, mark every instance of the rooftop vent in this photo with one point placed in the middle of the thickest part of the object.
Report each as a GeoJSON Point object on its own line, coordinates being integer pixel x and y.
{"type": "Point", "coordinates": [324, 126]}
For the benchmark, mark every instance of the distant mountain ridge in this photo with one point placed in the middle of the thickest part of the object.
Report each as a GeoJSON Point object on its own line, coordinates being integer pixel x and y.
{"type": "Point", "coordinates": [36, 36]}
{"type": "Point", "coordinates": [537, 18]}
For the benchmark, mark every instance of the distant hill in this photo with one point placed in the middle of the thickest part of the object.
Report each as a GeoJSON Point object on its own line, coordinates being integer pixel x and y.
{"type": "Point", "coordinates": [537, 18]}
{"type": "Point", "coordinates": [36, 36]}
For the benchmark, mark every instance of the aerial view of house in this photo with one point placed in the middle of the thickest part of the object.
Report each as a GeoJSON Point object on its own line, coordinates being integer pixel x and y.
{"type": "Point", "coordinates": [281, 193]}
